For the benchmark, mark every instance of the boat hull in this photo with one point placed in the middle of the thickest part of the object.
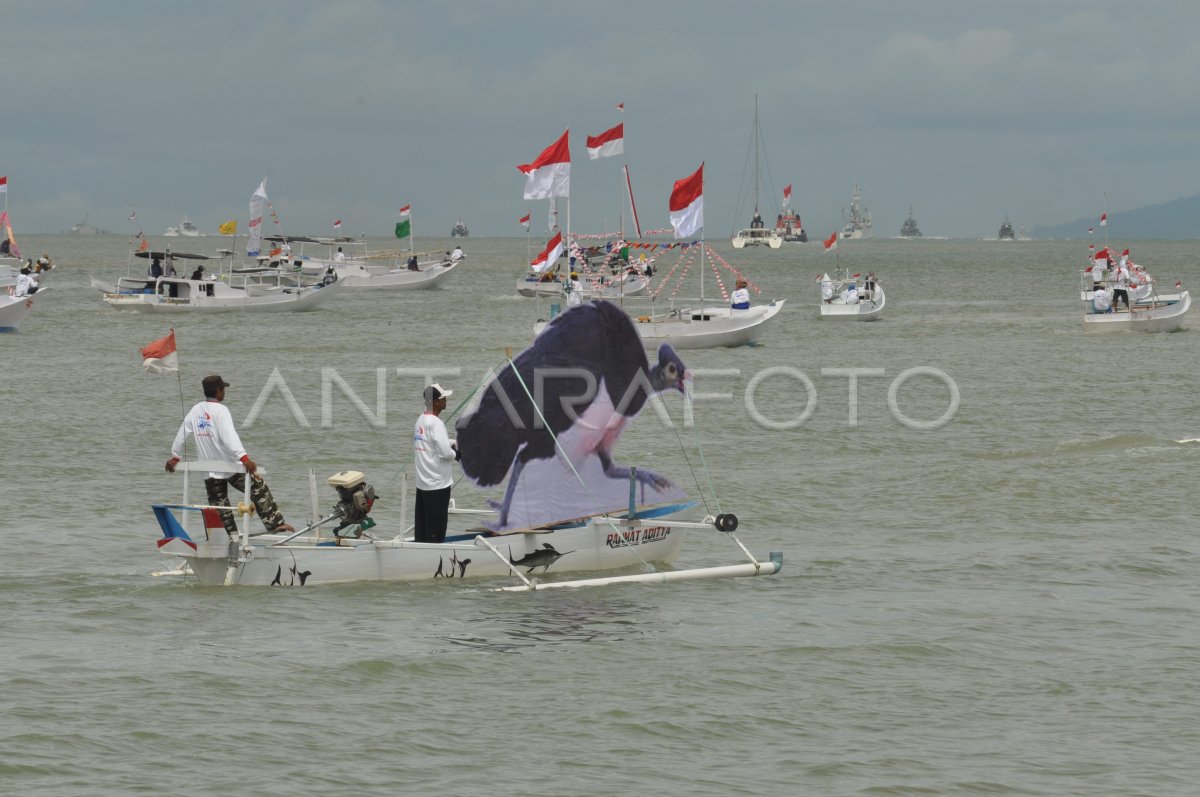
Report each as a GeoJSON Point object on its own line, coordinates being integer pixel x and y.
{"type": "Point", "coordinates": [864, 310]}
{"type": "Point", "coordinates": [401, 279]}
{"type": "Point", "coordinates": [701, 327]}
{"type": "Point", "coordinates": [630, 286]}
{"type": "Point", "coordinates": [1162, 316]}
{"type": "Point", "coordinates": [13, 310]}
{"type": "Point", "coordinates": [255, 298]}
{"type": "Point", "coordinates": [757, 236]}
{"type": "Point", "coordinates": [596, 545]}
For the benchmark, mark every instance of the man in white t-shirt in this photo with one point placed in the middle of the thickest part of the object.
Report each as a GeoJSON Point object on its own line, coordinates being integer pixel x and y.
{"type": "Point", "coordinates": [211, 424]}
{"type": "Point", "coordinates": [850, 295]}
{"type": "Point", "coordinates": [340, 256]}
{"type": "Point", "coordinates": [826, 288]}
{"type": "Point", "coordinates": [435, 456]}
{"type": "Point", "coordinates": [1101, 300]}
{"type": "Point", "coordinates": [457, 254]}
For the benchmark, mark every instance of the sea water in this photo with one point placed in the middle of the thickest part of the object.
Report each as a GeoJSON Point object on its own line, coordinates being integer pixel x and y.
{"type": "Point", "coordinates": [993, 593]}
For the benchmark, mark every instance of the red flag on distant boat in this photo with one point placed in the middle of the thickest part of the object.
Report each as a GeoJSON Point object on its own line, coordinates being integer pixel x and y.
{"type": "Point", "coordinates": [621, 107]}
{"type": "Point", "coordinates": [610, 142]}
{"type": "Point", "coordinates": [548, 255]}
{"type": "Point", "coordinates": [160, 355]}
{"type": "Point", "coordinates": [787, 192]}
{"type": "Point", "coordinates": [1091, 230]}
{"type": "Point", "coordinates": [1103, 219]}
{"type": "Point", "coordinates": [831, 241]}
{"type": "Point", "coordinates": [337, 225]}
{"type": "Point", "coordinates": [524, 220]}
{"type": "Point", "coordinates": [687, 204]}
{"type": "Point", "coordinates": [144, 245]}
{"type": "Point", "coordinates": [404, 211]}
{"type": "Point", "coordinates": [1125, 253]}
{"type": "Point", "coordinates": [3, 185]}
{"type": "Point", "coordinates": [550, 173]}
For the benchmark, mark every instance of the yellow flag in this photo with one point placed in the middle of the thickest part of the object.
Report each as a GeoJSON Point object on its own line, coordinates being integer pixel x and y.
{"type": "Point", "coordinates": [228, 228]}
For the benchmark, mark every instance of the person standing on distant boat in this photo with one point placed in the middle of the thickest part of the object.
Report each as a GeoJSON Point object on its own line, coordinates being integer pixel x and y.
{"type": "Point", "coordinates": [574, 290]}
{"type": "Point", "coordinates": [339, 256]}
{"type": "Point", "coordinates": [826, 288]}
{"type": "Point", "coordinates": [850, 295]}
{"type": "Point", "coordinates": [435, 454]}
{"type": "Point", "coordinates": [156, 269]}
{"type": "Point", "coordinates": [741, 296]}
{"type": "Point", "coordinates": [1121, 291]}
{"type": "Point", "coordinates": [211, 424]}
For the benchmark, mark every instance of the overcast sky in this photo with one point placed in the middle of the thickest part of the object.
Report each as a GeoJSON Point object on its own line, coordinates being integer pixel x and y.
{"type": "Point", "coordinates": [1045, 111]}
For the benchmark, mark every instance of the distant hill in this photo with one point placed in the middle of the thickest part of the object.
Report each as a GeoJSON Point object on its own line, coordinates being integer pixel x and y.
{"type": "Point", "coordinates": [1178, 219]}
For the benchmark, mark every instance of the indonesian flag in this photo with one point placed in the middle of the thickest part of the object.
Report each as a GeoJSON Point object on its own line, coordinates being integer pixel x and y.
{"type": "Point", "coordinates": [524, 220]}
{"type": "Point", "coordinates": [621, 107]}
{"type": "Point", "coordinates": [550, 173]}
{"type": "Point", "coordinates": [337, 225]}
{"type": "Point", "coordinates": [159, 357]}
{"type": "Point", "coordinates": [831, 242]}
{"type": "Point", "coordinates": [405, 211]}
{"type": "Point", "coordinates": [1103, 219]}
{"type": "Point", "coordinates": [1101, 257]}
{"type": "Point", "coordinates": [1091, 230]}
{"type": "Point", "coordinates": [610, 142]}
{"type": "Point", "coordinates": [550, 254]}
{"type": "Point", "coordinates": [687, 204]}
{"type": "Point", "coordinates": [3, 185]}
{"type": "Point", "coordinates": [787, 193]}
{"type": "Point", "coordinates": [1125, 253]}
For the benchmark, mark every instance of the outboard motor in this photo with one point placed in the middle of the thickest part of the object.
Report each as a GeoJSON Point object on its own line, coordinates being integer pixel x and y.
{"type": "Point", "coordinates": [355, 499]}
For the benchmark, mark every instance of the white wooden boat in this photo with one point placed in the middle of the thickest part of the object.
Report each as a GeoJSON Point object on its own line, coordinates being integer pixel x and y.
{"type": "Point", "coordinates": [594, 287]}
{"type": "Point", "coordinates": [706, 326]}
{"type": "Point", "coordinates": [230, 293]}
{"type": "Point", "coordinates": [1149, 311]}
{"type": "Point", "coordinates": [869, 306]}
{"type": "Point", "coordinates": [360, 269]}
{"type": "Point", "coordinates": [347, 546]}
{"type": "Point", "coordinates": [13, 309]}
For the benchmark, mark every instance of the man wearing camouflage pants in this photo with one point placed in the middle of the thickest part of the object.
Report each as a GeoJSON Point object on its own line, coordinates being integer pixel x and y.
{"type": "Point", "coordinates": [211, 423]}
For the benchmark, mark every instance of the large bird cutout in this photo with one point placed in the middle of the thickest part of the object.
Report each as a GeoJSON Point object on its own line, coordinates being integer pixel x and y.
{"type": "Point", "coordinates": [589, 375]}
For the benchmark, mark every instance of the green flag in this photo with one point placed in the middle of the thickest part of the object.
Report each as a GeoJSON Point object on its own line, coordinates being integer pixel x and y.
{"type": "Point", "coordinates": [403, 228]}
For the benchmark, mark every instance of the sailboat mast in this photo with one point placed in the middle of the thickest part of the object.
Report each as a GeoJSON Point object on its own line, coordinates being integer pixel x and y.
{"type": "Point", "coordinates": [756, 156]}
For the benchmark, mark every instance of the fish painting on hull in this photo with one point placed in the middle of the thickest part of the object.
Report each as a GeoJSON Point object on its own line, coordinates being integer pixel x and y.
{"type": "Point", "coordinates": [549, 421]}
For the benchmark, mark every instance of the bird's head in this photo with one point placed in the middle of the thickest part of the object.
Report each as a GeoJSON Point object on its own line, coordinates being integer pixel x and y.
{"type": "Point", "coordinates": [669, 371]}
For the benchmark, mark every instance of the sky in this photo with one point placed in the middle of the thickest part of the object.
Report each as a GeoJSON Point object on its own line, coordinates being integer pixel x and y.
{"type": "Point", "coordinates": [966, 111]}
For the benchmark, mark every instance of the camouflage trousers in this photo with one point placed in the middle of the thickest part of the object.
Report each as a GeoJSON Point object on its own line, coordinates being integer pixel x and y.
{"type": "Point", "coordinates": [260, 496]}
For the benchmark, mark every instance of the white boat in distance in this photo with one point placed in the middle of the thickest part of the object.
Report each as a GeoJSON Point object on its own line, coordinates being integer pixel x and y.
{"type": "Point", "coordinates": [220, 292]}
{"type": "Point", "coordinates": [360, 269]}
{"type": "Point", "coordinates": [757, 234]}
{"type": "Point", "coordinates": [868, 307]}
{"type": "Point", "coordinates": [185, 230]}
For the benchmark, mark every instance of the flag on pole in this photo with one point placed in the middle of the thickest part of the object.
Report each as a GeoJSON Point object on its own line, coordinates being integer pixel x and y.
{"type": "Point", "coordinates": [1103, 219]}
{"type": "Point", "coordinates": [548, 255]}
{"type": "Point", "coordinates": [1091, 230]}
{"type": "Point", "coordinates": [160, 357]}
{"type": "Point", "coordinates": [1125, 253]}
{"type": "Point", "coordinates": [621, 107]}
{"type": "Point", "coordinates": [687, 204]}
{"type": "Point", "coordinates": [404, 226]}
{"type": "Point", "coordinates": [550, 173]}
{"type": "Point", "coordinates": [525, 220]}
{"type": "Point", "coordinates": [228, 228]}
{"type": "Point", "coordinates": [787, 193]}
{"type": "Point", "coordinates": [610, 142]}
{"type": "Point", "coordinates": [831, 242]}
{"type": "Point", "coordinates": [337, 225]}
{"type": "Point", "coordinates": [3, 185]}
{"type": "Point", "coordinates": [257, 200]}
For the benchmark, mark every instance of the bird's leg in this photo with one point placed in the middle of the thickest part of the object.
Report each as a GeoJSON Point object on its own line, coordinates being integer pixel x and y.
{"type": "Point", "coordinates": [518, 466]}
{"type": "Point", "coordinates": [648, 477]}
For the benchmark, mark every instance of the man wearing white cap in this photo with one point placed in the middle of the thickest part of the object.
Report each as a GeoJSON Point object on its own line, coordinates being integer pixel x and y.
{"type": "Point", "coordinates": [435, 455]}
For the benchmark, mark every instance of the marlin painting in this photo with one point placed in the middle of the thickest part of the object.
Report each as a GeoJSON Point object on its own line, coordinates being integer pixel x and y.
{"type": "Point", "coordinates": [542, 557]}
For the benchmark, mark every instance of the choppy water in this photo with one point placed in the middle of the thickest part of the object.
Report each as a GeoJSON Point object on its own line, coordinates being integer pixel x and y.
{"type": "Point", "coordinates": [1003, 605]}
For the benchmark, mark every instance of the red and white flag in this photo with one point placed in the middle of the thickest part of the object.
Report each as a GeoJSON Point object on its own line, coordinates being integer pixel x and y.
{"type": "Point", "coordinates": [1125, 253]}
{"type": "Point", "coordinates": [550, 173]}
{"type": "Point", "coordinates": [551, 253]}
{"type": "Point", "coordinates": [159, 357]}
{"type": "Point", "coordinates": [3, 185]}
{"type": "Point", "coordinates": [1103, 219]}
{"type": "Point", "coordinates": [404, 211]}
{"type": "Point", "coordinates": [337, 225]}
{"type": "Point", "coordinates": [1091, 230]}
{"type": "Point", "coordinates": [831, 242]}
{"type": "Point", "coordinates": [1102, 255]}
{"type": "Point", "coordinates": [610, 142]}
{"type": "Point", "coordinates": [687, 204]}
{"type": "Point", "coordinates": [787, 193]}
{"type": "Point", "coordinates": [621, 107]}
{"type": "Point", "coordinates": [524, 220]}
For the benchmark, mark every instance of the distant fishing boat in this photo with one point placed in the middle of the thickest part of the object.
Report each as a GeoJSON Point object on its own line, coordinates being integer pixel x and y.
{"type": "Point", "coordinates": [910, 229]}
